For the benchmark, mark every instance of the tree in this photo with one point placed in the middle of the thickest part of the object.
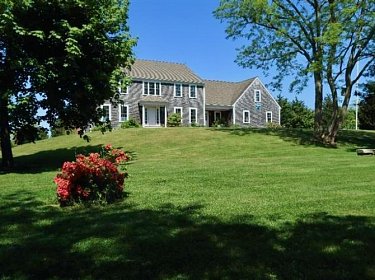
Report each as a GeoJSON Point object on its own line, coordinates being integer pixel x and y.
{"type": "Point", "coordinates": [65, 57]}
{"type": "Point", "coordinates": [295, 114]}
{"type": "Point", "coordinates": [322, 39]}
{"type": "Point", "coordinates": [366, 114]}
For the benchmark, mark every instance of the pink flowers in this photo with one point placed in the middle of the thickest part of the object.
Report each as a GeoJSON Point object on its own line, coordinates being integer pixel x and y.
{"type": "Point", "coordinates": [95, 177]}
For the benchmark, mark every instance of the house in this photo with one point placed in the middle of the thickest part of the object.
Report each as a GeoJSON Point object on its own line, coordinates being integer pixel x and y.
{"type": "Point", "coordinates": [159, 89]}
{"type": "Point", "coordinates": [246, 103]}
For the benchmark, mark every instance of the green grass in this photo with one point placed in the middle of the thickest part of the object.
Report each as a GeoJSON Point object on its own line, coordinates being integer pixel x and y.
{"type": "Point", "coordinates": [201, 204]}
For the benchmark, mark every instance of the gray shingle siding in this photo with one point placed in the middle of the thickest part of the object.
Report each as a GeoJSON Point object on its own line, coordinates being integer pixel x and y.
{"type": "Point", "coordinates": [220, 96]}
{"type": "Point", "coordinates": [257, 113]}
{"type": "Point", "coordinates": [135, 95]}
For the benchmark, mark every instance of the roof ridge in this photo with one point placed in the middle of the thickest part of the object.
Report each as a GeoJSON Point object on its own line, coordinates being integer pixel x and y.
{"type": "Point", "coordinates": [230, 82]}
{"type": "Point", "coordinates": [160, 61]}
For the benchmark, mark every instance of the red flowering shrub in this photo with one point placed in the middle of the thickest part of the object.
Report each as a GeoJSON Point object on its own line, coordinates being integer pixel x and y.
{"type": "Point", "coordinates": [95, 177]}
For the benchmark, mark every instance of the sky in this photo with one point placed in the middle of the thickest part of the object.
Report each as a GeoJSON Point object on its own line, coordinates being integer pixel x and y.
{"type": "Point", "coordinates": [185, 31]}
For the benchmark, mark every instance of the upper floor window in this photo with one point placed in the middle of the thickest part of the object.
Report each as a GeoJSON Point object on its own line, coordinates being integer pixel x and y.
{"type": "Point", "coordinates": [268, 116]}
{"type": "Point", "coordinates": [257, 95]}
{"type": "Point", "coordinates": [193, 91]}
{"type": "Point", "coordinates": [151, 88]}
{"type": "Point", "coordinates": [246, 116]}
{"type": "Point", "coordinates": [123, 113]}
{"type": "Point", "coordinates": [177, 90]}
{"type": "Point", "coordinates": [122, 89]}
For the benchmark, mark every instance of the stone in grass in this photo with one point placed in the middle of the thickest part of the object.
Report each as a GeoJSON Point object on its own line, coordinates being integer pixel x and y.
{"type": "Point", "coordinates": [363, 152]}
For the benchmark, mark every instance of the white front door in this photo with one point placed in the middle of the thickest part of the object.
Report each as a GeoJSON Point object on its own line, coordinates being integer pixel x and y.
{"type": "Point", "coordinates": [152, 116]}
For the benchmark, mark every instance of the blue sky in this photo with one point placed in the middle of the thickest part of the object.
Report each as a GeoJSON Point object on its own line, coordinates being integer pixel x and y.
{"type": "Point", "coordinates": [185, 31]}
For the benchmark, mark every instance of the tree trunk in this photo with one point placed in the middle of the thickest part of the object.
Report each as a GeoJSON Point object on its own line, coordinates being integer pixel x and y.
{"type": "Point", "coordinates": [330, 137]}
{"type": "Point", "coordinates": [318, 117]}
{"type": "Point", "coordinates": [6, 146]}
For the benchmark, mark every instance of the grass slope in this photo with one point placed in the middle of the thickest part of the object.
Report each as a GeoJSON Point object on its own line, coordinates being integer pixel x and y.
{"type": "Point", "coordinates": [202, 204]}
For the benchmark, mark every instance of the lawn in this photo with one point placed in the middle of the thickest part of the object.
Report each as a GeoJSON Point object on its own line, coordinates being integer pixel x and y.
{"type": "Point", "coordinates": [201, 204]}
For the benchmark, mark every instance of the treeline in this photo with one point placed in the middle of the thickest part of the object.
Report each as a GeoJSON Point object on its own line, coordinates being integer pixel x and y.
{"type": "Point", "coordinates": [295, 114]}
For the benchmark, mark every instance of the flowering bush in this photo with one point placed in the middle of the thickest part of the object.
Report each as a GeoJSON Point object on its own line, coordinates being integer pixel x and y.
{"type": "Point", "coordinates": [95, 177]}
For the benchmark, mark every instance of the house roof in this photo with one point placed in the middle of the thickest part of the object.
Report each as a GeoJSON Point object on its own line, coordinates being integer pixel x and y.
{"type": "Point", "coordinates": [163, 71]}
{"type": "Point", "coordinates": [221, 93]}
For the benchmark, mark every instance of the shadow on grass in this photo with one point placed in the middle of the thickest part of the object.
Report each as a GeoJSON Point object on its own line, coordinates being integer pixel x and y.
{"type": "Point", "coordinates": [50, 160]}
{"type": "Point", "coordinates": [359, 139]}
{"type": "Point", "coordinates": [122, 242]}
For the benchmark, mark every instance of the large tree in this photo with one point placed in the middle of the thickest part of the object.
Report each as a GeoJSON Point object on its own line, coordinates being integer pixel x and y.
{"type": "Point", "coordinates": [322, 39]}
{"type": "Point", "coordinates": [63, 56]}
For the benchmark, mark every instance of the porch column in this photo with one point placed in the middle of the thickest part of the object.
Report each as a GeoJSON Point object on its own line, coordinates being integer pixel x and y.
{"type": "Point", "coordinates": [165, 116]}
{"type": "Point", "coordinates": [234, 115]}
{"type": "Point", "coordinates": [143, 115]}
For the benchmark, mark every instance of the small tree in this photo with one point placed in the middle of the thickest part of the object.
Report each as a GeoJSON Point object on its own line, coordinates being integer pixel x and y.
{"type": "Point", "coordinates": [174, 119]}
{"type": "Point", "coordinates": [295, 114]}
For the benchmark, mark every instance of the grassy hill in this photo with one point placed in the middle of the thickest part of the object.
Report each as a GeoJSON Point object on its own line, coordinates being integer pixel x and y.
{"type": "Point", "coordinates": [202, 204]}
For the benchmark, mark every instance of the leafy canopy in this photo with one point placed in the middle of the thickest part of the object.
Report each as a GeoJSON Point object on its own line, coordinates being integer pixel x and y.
{"type": "Point", "coordinates": [67, 57]}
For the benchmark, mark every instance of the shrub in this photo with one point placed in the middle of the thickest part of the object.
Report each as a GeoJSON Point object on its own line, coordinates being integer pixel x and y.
{"type": "Point", "coordinates": [174, 119]}
{"type": "Point", "coordinates": [92, 178]}
{"type": "Point", "coordinates": [273, 125]}
{"type": "Point", "coordinates": [130, 123]}
{"type": "Point", "coordinates": [220, 123]}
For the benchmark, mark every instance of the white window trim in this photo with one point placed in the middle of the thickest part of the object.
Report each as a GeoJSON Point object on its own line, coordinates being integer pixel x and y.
{"type": "Point", "coordinates": [196, 114]}
{"type": "Point", "coordinates": [175, 108]}
{"type": "Point", "coordinates": [148, 88]}
{"type": "Point", "coordinates": [174, 93]}
{"type": "Point", "coordinates": [243, 116]}
{"type": "Point", "coordinates": [255, 95]}
{"type": "Point", "coordinates": [269, 112]}
{"type": "Point", "coordinates": [123, 92]}
{"type": "Point", "coordinates": [119, 112]}
{"type": "Point", "coordinates": [196, 91]}
{"type": "Point", "coordinates": [109, 112]}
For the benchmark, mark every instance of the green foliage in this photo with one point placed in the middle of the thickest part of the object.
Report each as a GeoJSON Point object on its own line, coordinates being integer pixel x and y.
{"type": "Point", "coordinates": [130, 123]}
{"type": "Point", "coordinates": [65, 57]}
{"type": "Point", "coordinates": [272, 125]}
{"type": "Point", "coordinates": [295, 114]}
{"type": "Point", "coordinates": [174, 120]}
{"type": "Point", "coordinates": [348, 121]}
{"type": "Point", "coordinates": [319, 40]}
{"type": "Point", "coordinates": [366, 114]}
{"type": "Point", "coordinates": [222, 122]}
{"type": "Point", "coordinates": [30, 133]}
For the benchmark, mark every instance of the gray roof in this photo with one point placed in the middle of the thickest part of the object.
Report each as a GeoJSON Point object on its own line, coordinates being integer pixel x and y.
{"type": "Point", "coordinates": [163, 71]}
{"type": "Point", "coordinates": [221, 93]}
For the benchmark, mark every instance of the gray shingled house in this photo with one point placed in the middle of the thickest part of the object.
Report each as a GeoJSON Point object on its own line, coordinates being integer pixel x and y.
{"type": "Point", "coordinates": [162, 88]}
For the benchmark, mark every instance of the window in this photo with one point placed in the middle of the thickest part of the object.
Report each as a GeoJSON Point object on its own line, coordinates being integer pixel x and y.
{"type": "Point", "coordinates": [151, 88]}
{"type": "Point", "coordinates": [178, 110]}
{"type": "Point", "coordinates": [257, 95]}
{"type": "Point", "coordinates": [106, 112]}
{"type": "Point", "coordinates": [123, 113]}
{"type": "Point", "coordinates": [177, 90]}
{"type": "Point", "coordinates": [123, 90]}
{"type": "Point", "coordinates": [193, 91]}
{"type": "Point", "coordinates": [193, 115]}
{"type": "Point", "coordinates": [246, 116]}
{"type": "Point", "coordinates": [268, 116]}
